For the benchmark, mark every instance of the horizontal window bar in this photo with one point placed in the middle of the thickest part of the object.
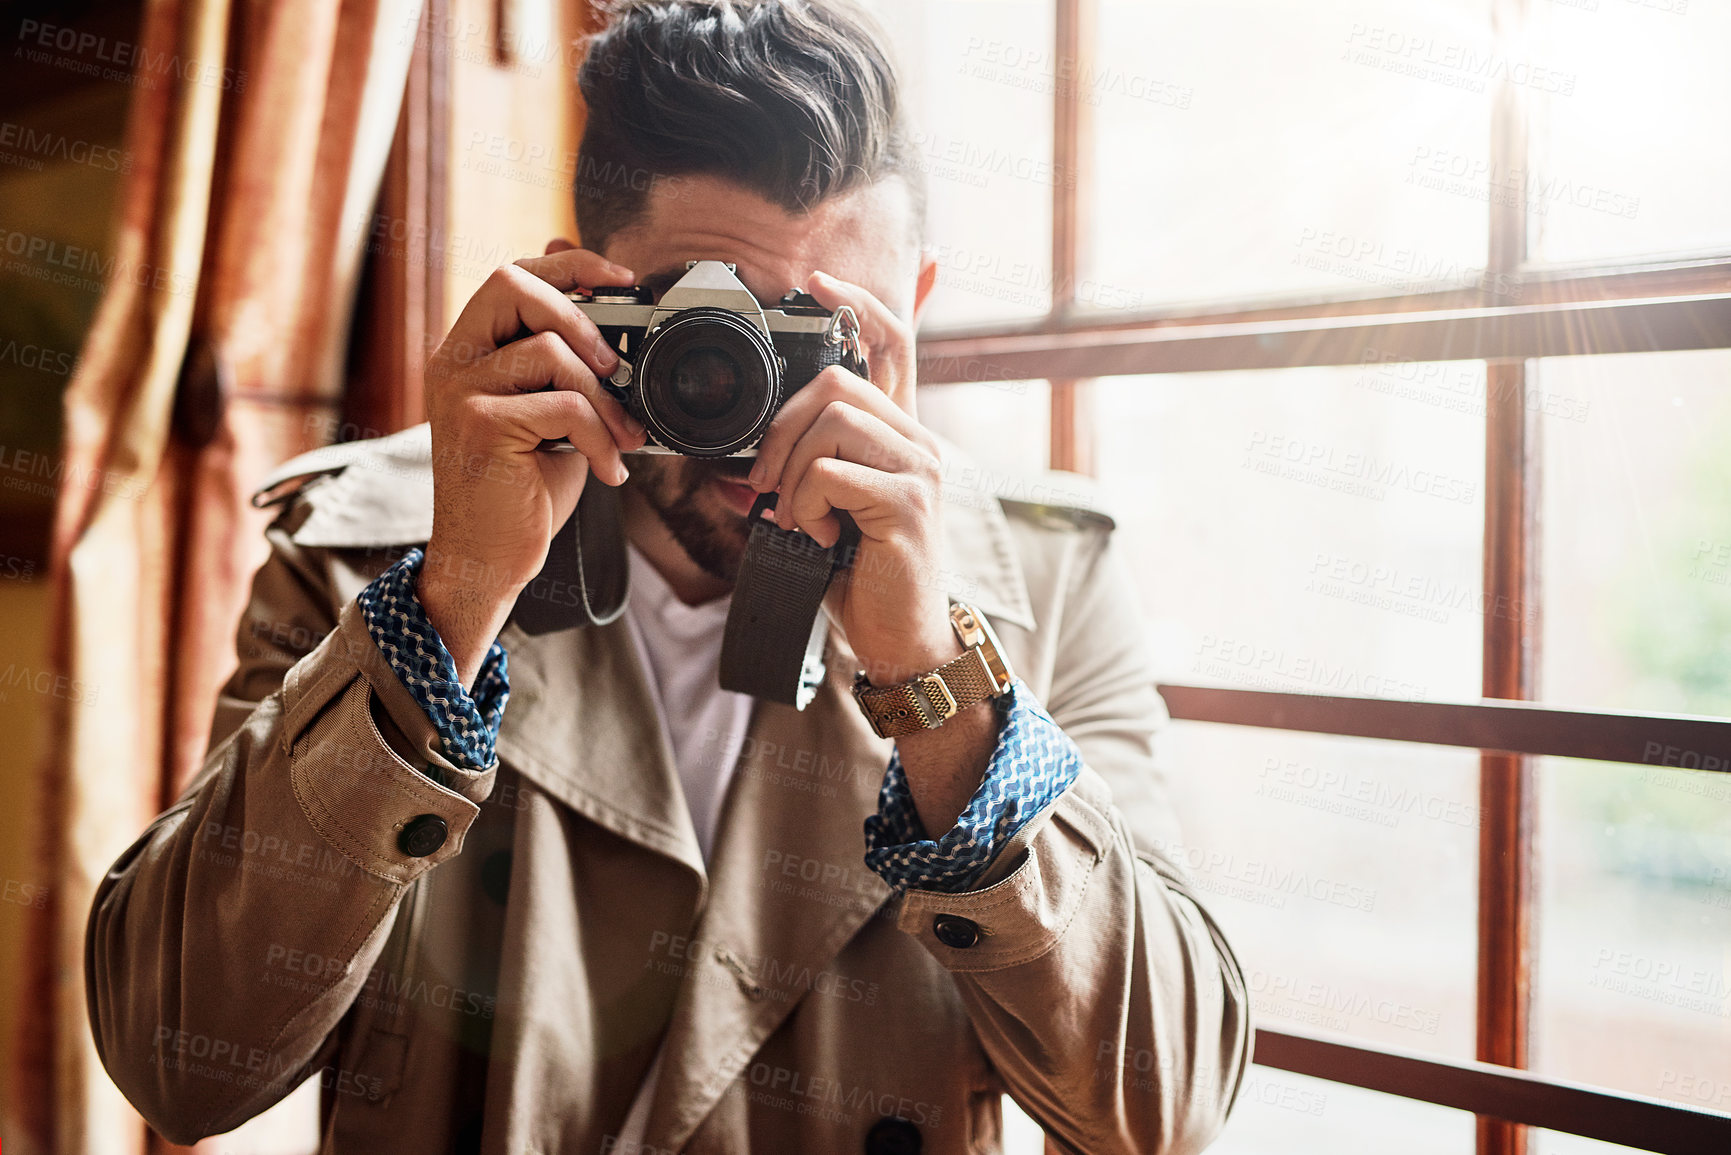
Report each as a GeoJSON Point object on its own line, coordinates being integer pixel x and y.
{"type": "Point", "coordinates": [1678, 740]}
{"type": "Point", "coordinates": [1679, 277]}
{"type": "Point", "coordinates": [1548, 330]}
{"type": "Point", "coordinates": [1502, 1092]}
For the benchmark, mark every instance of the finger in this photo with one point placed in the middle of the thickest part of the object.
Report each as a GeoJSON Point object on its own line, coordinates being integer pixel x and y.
{"type": "Point", "coordinates": [569, 267]}
{"type": "Point", "coordinates": [545, 361]}
{"type": "Point", "coordinates": [888, 339]}
{"type": "Point", "coordinates": [848, 433]}
{"type": "Point", "coordinates": [512, 300]}
{"type": "Point", "coordinates": [803, 408]}
{"type": "Point", "coordinates": [874, 499]}
{"type": "Point", "coordinates": [538, 417]}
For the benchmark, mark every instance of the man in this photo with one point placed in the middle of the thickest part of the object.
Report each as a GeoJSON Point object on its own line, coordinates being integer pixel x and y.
{"type": "Point", "coordinates": [510, 887]}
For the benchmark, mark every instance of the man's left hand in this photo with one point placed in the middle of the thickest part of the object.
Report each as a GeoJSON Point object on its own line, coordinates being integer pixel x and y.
{"type": "Point", "coordinates": [846, 444]}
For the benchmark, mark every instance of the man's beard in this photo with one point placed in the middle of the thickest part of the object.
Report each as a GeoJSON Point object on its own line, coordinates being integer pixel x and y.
{"type": "Point", "coordinates": [676, 488]}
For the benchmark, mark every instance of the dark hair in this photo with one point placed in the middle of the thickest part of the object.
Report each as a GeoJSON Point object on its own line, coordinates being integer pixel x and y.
{"type": "Point", "coordinates": [796, 100]}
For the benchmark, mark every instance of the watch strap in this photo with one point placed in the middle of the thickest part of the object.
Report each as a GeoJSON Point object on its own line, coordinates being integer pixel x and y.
{"type": "Point", "coordinates": [926, 702]}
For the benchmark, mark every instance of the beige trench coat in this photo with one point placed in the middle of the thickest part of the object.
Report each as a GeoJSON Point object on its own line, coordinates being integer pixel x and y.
{"type": "Point", "coordinates": [508, 991]}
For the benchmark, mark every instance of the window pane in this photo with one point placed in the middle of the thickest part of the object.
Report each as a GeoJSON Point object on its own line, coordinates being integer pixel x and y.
{"type": "Point", "coordinates": [1249, 147]}
{"type": "Point", "coordinates": [1318, 530]}
{"type": "Point", "coordinates": [1305, 529]}
{"type": "Point", "coordinates": [1629, 149]}
{"type": "Point", "coordinates": [1634, 862]}
{"type": "Point", "coordinates": [980, 76]}
{"type": "Point", "coordinates": [1631, 987]}
{"type": "Point", "coordinates": [1637, 531]}
{"type": "Point", "coordinates": [1001, 424]}
{"type": "Point", "coordinates": [1344, 874]}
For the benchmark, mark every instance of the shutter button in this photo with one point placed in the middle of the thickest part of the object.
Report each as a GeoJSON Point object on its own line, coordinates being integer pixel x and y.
{"type": "Point", "coordinates": [423, 835]}
{"type": "Point", "coordinates": [953, 930]}
{"type": "Point", "coordinates": [891, 1136]}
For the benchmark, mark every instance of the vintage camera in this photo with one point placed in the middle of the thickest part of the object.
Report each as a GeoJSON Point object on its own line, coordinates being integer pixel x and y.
{"type": "Point", "coordinates": [707, 367]}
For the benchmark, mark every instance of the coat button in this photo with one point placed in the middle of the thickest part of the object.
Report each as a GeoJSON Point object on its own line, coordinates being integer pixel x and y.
{"type": "Point", "coordinates": [423, 835]}
{"type": "Point", "coordinates": [496, 876]}
{"type": "Point", "coordinates": [890, 1136]}
{"type": "Point", "coordinates": [954, 930]}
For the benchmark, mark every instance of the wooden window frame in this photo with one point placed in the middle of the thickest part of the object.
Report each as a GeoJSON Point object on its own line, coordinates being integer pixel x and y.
{"type": "Point", "coordinates": [1634, 306]}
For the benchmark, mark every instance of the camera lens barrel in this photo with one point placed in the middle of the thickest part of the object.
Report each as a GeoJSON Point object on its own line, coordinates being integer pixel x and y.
{"type": "Point", "coordinates": [709, 383]}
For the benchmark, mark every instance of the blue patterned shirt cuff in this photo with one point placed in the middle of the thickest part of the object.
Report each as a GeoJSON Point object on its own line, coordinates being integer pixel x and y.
{"type": "Point", "coordinates": [1034, 763]}
{"type": "Point", "coordinates": [468, 726]}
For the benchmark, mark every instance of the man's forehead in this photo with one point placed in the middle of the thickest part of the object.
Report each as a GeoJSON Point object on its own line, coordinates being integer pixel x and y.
{"type": "Point", "coordinates": [862, 236]}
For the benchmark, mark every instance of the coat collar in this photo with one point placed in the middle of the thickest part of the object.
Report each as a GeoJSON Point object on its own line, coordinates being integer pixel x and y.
{"type": "Point", "coordinates": [380, 493]}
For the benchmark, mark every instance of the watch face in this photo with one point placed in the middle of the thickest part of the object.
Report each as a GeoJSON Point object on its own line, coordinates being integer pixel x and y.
{"type": "Point", "coordinates": [987, 640]}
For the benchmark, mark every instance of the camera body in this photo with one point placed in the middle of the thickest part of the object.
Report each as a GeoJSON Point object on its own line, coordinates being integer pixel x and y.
{"type": "Point", "coordinates": [707, 367]}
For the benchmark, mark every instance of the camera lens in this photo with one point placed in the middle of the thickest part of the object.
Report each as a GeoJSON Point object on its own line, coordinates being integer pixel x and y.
{"type": "Point", "coordinates": [706, 382]}
{"type": "Point", "coordinates": [710, 382]}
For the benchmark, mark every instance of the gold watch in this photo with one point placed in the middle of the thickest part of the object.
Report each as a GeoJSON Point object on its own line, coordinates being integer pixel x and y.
{"type": "Point", "coordinates": [928, 701]}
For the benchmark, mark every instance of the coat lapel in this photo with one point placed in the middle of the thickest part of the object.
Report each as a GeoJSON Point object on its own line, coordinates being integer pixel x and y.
{"type": "Point", "coordinates": [788, 890]}
{"type": "Point", "coordinates": [581, 724]}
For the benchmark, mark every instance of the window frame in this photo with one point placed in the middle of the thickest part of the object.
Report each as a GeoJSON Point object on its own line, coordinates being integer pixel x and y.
{"type": "Point", "coordinates": [1645, 305]}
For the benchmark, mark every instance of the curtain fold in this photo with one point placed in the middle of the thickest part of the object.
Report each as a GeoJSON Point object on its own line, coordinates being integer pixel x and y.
{"type": "Point", "coordinates": [260, 132]}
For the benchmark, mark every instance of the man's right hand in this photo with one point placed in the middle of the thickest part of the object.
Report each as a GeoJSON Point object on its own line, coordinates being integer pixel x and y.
{"type": "Point", "coordinates": [491, 399]}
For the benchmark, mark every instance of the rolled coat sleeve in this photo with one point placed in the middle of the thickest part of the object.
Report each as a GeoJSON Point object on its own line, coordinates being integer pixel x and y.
{"type": "Point", "coordinates": [323, 798]}
{"type": "Point", "coordinates": [1101, 990]}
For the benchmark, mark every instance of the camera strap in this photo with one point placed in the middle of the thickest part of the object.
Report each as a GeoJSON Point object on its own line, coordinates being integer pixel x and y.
{"type": "Point", "coordinates": [773, 643]}
{"type": "Point", "coordinates": [583, 581]}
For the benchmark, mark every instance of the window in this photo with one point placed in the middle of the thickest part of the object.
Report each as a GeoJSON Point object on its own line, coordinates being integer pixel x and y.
{"type": "Point", "coordinates": [1398, 334]}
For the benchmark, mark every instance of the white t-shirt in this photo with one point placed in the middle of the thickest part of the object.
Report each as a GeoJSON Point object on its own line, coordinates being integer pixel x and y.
{"type": "Point", "coordinates": [680, 647]}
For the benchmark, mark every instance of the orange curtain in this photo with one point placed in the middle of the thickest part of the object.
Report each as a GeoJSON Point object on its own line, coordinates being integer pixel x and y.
{"type": "Point", "coordinates": [260, 130]}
